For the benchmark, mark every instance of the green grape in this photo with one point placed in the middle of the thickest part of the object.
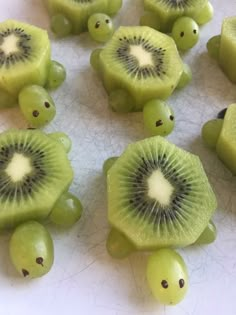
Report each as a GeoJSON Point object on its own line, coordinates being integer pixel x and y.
{"type": "Point", "coordinates": [37, 105]}
{"type": "Point", "coordinates": [118, 246]}
{"type": "Point", "coordinates": [31, 250]}
{"type": "Point", "coordinates": [100, 27]}
{"type": "Point", "coordinates": [185, 33]}
{"type": "Point", "coordinates": [7, 100]}
{"type": "Point", "coordinates": [158, 118]}
{"type": "Point", "coordinates": [213, 47]}
{"type": "Point", "coordinates": [211, 131]}
{"type": "Point", "coordinates": [67, 210]}
{"type": "Point", "coordinates": [167, 276]}
{"type": "Point", "coordinates": [151, 20]}
{"type": "Point", "coordinates": [94, 60]}
{"type": "Point", "coordinates": [56, 75]}
{"type": "Point", "coordinates": [204, 15]}
{"type": "Point", "coordinates": [208, 235]}
{"type": "Point", "coordinates": [186, 77]}
{"type": "Point", "coordinates": [60, 25]}
{"type": "Point", "coordinates": [108, 164]}
{"type": "Point", "coordinates": [114, 6]}
{"type": "Point", "coordinates": [121, 101]}
{"type": "Point", "coordinates": [63, 139]}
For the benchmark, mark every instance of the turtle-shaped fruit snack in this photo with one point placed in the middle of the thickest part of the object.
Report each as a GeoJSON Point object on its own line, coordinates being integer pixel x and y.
{"type": "Point", "coordinates": [223, 48]}
{"type": "Point", "coordinates": [78, 16]}
{"type": "Point", "coordinates": [220, 134]}
{"type": "Point", "coordinates": [159, 198]}
{"type": "Point", "coordinates": [25, 69]}
{"type": "Point", "coordinates": [35, 175]}
{"type": "Point", "coordinates": [140, 68]}
{"type": "Point", "coordinates": [181, 18]}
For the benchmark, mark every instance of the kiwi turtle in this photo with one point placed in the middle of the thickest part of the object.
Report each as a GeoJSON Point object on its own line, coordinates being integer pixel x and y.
{"type": "Point", "coordinates": [71, 16]}
{"type": "Point", "coordinates": [158, 197]}
{"type": "Point", "coordinates": [25, 59]}
{"type": "Point", "coordinates": [219, 134]}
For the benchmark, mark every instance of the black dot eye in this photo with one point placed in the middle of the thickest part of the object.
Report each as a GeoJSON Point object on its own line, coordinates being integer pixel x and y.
{"type": "Point", "coordinates": [47, 105]}
{"type": "Point", "coordinates": [39, 260]}
{"type": "Point", "coordinates": [107, 21]}
{"type": "Point", "coordinates": [159, 123]}
{"type": "Point", "coordinates": [172, 117]}
{"type": "Point", "coordinates": [182, 34]}
{"type": "Point", "coordinates": [195, 31]}
{"type": "Point", "coordinates": [181, 283]}
{"type": "Point", "coordinates": [97, 25]}
{"type": "Point", "coordinates": [35, 113]}
{"type": "Point", "coordinates": [25, 272]}
{"type": "Point", "coordinates": [164, 284]}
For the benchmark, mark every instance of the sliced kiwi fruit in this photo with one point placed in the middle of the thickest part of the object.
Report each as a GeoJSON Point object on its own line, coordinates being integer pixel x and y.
{"type": "Point", "coordinates": [167, 11]}
{"type": "Point", "coordinates": [159, 195]}
{"type": "Point", "coordinates": [78, 11]}
{"type": "Point", "coordinates": [143, 62]}
{"type": "Point", "coordinates": [226, 144]}
{"type": "Point", "coordinates": [227, 53]}
{"type": "Point", "coordinates": [34, 172]}
{"type": "Point", "coordinates": [24, 56]}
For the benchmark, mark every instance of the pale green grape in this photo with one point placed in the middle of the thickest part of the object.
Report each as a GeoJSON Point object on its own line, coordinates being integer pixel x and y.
{"type": "Point", "coordinates": [60, 25]}
{"type": "Point", "coordinates": [158, 118]}
{"type": "Point", "coordinates": [114, 6]}
{"type": "Point", "coordinates": [167, 276]}
{"type": "Point", "coordinates": [36, 105]}
{"type": "Point", "coordinates": [151, 20]}
{"type": "Point", "coordinates": [56, 75]}
{"type": "Point", "coordinates": [208, 235]}
{"type": "Point", "coordinates": [204, 15]}
{"type": "Point", "coordinates": [63, 139]}
{"type": "Point", "coordinates": [108, 164]}
{"type": "Point", "coordinates": [7, 100]}
{"type": "Point", "coordinates": [120, 101]}
{"type": "Point", "coordinates": [186, 77]}
{"type": "Point", "coordinates": [31, 250]}
{"type": "Point", "coordinates": [94, 59]}
{"type": "Point", "coordinates": [213, 47]}
{"type": "Point", "coordinates": [185, 33]}
{"type": "Point", "coordinates": [67, 210]}
{"type": "Point", "coordinates": [211, 131]}
{"type": "Point", "coordinates": [118, 246]}
{"type": "Point", "coordinates": [100, 27]}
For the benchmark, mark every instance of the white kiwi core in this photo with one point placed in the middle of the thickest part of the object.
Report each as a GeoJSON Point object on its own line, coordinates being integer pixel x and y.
{"type": "Point", "coordinates": [144, 57]}
{"type": "Point", "coordinates": [18, 167]}
{"type": "Point", "coordinates": [159, 188]}
{"type": "Point", "coordinates": [10, 44]}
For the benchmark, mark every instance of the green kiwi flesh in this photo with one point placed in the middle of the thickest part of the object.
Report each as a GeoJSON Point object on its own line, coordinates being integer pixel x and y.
{"type": "Point", "coordinates": [226, 144]}
{"type": "Point", "coordinates": [79, 11]}
{"type": "Point", "coordinates": [159, 195]}
{"type": "Point", "coordinates": [143, 62]}
{"type": "Point", "coordinates": [167, 11]}
{"type": "Point", "coordinates": [24, 56]}
{"type": "Point", "coordinates": [227, 54]}
{"type": "Point", "coordinates": [34, 172]}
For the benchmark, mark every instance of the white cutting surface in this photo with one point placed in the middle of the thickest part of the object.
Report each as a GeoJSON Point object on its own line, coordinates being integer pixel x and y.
{"type": "Point", "coordinates": [84, 279]}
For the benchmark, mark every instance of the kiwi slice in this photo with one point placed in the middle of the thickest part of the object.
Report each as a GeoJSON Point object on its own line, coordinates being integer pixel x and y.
{"type": "Point", "coordinates": [159, 195]}
{"type": "Point", "coordinates": [167, 11]}
{"type": "Point", "coordinates": [24, 56]}
{"type": "Point", "coordinates": [226, 145]}
{"type": "Point", "coordinates": [143, 62]}
{"type": "Point", "coordinates": [78, 11]}
{"type": "Point", "coordinates": [34, 172]}
{"type": "Point", "coordinates": [227, 54]}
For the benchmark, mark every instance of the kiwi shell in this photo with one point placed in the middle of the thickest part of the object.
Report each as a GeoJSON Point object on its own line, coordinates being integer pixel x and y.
{"type": "Point", "coordinates": [115, 72]}
{"type": "Point", "coordinates": [32, 64]}
{"type": "Point", "coordinates": [145, 227]}
{"type": "Point", "coordinates": [226, 144]}
{"type": "Point", "coordinates": [32, 196]}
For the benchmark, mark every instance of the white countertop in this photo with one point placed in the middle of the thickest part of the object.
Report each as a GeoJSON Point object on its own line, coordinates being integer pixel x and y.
{"type": "Point", "coordinates": [84, 279]}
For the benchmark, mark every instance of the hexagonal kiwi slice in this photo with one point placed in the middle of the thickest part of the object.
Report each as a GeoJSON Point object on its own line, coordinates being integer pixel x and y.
{"type": "Point", "coordinates": [226, 145]}
{"type": "Point", "coordinates": [168, 11]}
{"type": "Point", "coordinates": [24, 56]}
{"type": "Point", "coordinates": [159, 195]}
{"type": "Point", "coordinates": [227, 54]}
{"type": "Point", "coordinates": [34, 172]}
{"type": "Point", "coordinates": [142, 61]}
